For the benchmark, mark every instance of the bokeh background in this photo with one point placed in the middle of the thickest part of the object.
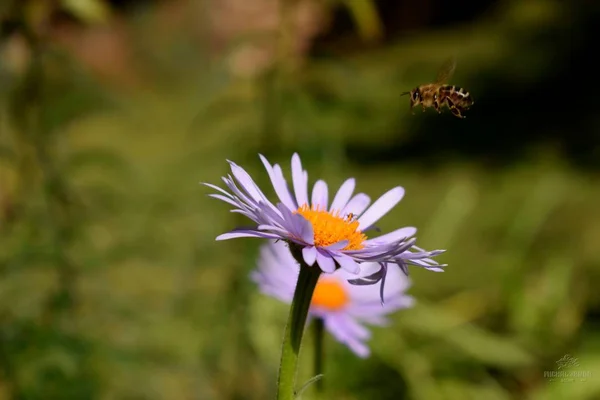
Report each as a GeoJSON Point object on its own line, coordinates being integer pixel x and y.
{"type": "Point", "coordinates": [111, 113]}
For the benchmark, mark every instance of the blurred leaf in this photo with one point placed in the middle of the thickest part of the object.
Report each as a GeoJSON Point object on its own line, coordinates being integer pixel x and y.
{"type": "Point", "coordinates": [366, 17]}
{"type": "Point", "coordinates": [37, 12]}
{"type": "Point", "coordinates": [478, 343]}
{"type": "Point", "coordinates": [545, 196]}
{"type": "Point", "coordinates": [68, 95]}
{"type": "Point", "coordinates": [542, 299]}
{"type": "Point", "coordinates": [89, 11]}
{"type": "Point", "coordinates": [459, 389]}
{"type": "Point", "coordinates": [415, 366]}
{"type": "Point", "coordinates": [103, 158]}
{"type": "Point", "coordinates": [7, 153]}
{"type": "Point", "coordinates": [268, 319]}
{"type": "Point", "coordinates": [459, 201]}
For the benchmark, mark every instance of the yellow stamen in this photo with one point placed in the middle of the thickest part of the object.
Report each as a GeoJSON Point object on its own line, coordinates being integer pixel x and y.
{"type": "Point", "coordinates": [330, 228]}
{"type": "Point", "coordinates": [330, 294]}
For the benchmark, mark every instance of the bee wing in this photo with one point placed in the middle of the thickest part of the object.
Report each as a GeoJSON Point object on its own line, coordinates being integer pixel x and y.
{"type": "Point", "coordinates": [446, 71]}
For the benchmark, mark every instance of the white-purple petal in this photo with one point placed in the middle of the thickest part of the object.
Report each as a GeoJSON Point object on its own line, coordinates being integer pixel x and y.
{"type": "Point", "coordinates": [246, 233]}
{"type": "Point", "coordinates": [337, 246]}
{"type": "Point", "coordinates": [305, 230]}
{"type": "Point", "coordinates": [283, 233]}
{"type": "Point", "coordinates": [297, 226]}
{"type": "Point", "coordinates": [325, 261]}
{"type": "Point", "coordinates": [343, 195]}
{"type": "Point", "coordinates": [218, 189]}
{"type": "Point", "coordinates": [246, 214]}
{"type": "Point", "coordinates": [381, 207]}
{"type": "Point", "coordinates": [381, 251]}
{"type": "Point", "coordinates": [225, 199]}
{"type": "Point", "coordinates": [357, 204]}
{"type": "Point", "coordinates": [247, 183]}
{"type": "Point", "coordinates": [402, 233]}
{"type": "Point", "coordinates": [279, 183]}
{"type": "Point", "coordinates": [229, 182]}
{"type": "Point", "coordinates": [347, 263]}
{"type": "Point", "coordinates": [320, 196]}
{"type": "Point", "coordinates": [310, 255]}
{"type": "Point", "coordinates": [337, 327]}
{"type": "Point", "coordinates": [424, 255]}
{"type": "Point", "coordinates": [355, 329]}
{"type": "Point", "coordinates": [300, 181]}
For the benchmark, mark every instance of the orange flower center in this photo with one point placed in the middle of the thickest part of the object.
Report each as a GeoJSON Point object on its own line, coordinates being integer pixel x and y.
{"type": "Point", "coordinates": [330, 228]}
{"type": "Point", "coordinates": [330, 294]}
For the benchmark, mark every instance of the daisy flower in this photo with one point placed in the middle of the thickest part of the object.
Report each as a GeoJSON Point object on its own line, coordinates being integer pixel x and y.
{"type": "Point", "coordinates": [343, 307]}
{"type": "Point", "coordinates": [329, 234]}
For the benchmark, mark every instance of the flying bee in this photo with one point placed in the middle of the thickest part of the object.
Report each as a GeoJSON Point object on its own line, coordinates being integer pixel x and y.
{"type": "Point", "coordinates": [439, 94]}
{"type": "Point", "coordinates": [351, 217]}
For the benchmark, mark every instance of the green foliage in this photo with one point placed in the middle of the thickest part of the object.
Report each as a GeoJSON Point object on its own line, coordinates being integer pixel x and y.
{"type": "Point", "coordinates": [111, 283]}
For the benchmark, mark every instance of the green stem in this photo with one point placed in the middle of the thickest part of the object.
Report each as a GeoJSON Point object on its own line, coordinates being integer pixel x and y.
{"type": "Point", "coordinates": [318, 360]}
{"type": "Point", "coordinates": [294, 329]}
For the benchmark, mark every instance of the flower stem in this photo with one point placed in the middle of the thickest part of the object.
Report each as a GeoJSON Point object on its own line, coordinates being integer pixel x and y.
{"type": "Point", "coordinates": [318, 359]}
{"type": "Point", "coordinates": [294, 329]}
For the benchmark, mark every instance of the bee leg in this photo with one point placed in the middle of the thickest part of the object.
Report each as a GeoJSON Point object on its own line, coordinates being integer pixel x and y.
{"type": "Point", "coordinates": [456, 112]}
{"type": "Point", "coordinates": [423, 106]}
{"type": "Point", "coordinates": [436, 103]}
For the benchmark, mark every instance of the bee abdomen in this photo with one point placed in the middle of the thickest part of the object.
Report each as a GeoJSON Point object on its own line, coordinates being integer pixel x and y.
{"type": "Point", "coordinates": [457, 93]}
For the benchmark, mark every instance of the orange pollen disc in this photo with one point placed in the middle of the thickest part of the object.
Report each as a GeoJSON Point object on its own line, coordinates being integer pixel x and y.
{"type": "Point", "coordinates": [330, 228]}
{"type": "Point", "coordinates": [329, 294]}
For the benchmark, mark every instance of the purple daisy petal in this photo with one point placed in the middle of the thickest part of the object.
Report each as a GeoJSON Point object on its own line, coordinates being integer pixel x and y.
{"type": "Point", "coordinates": [299, 228]}
{"type": "Point", "coordinates": [381, 207]}
{"type": "Point", "coordinates": [246, 214]}
{"type": "Point", "coordinates": [310, 255]}
{"type": "Point", "coordinates": [382, 286]}
{"type": "Point", "coordinates": [369, 279]}
{"type": "Point", "coordinates": [343, 195]}
{"type": "Point", "coordinates": [246, 233]}
{"type": "Point", "coordinates": [338, 327]}
{"type": "Point", "coordinates": [403, 267]}
{"type": "Point", "coordinates": [372, 318]}
{"type": "Point", "coordinates": [325, 262]}
{"type": "Point", "coordinates": [337, 246]}
{"type": "Point", "coordinates": [355, 329]}
{"type": "Point", "coordinates": [347, 263]}
{"type": "Point", "coordinates": [434, 268]}
{"type": "Point", "coordinates": [382, 251]}
{"type": "Point", "coordinates": [224, 198]}
{"type": "Point", "coordinates": [237, 192]}
{"type": "Point", "coordinates": [305, 229]}
{"type": "Point", "coordinates": [320, 196]}
{"type": "Point", "coordinates": [402, 233]}
{"type": "Point", "coordinates": [218, 189]}
{"type": "Point", "coordinates": [247, 183]}
{"type": "Point", "coordinates": [300, 181]}
{"type": "Point", "coordinates": [279, 183]}
{"type": "Point", "coordinates": [357, 204]}
{"type": "Point", "coordinates": [420, 255]}
{"type": "Point", "coordinates": [273, 229]}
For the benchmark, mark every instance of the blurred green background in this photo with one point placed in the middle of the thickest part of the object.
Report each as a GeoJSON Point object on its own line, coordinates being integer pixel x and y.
{"type": "Point", "coordinates": [111, 113]}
